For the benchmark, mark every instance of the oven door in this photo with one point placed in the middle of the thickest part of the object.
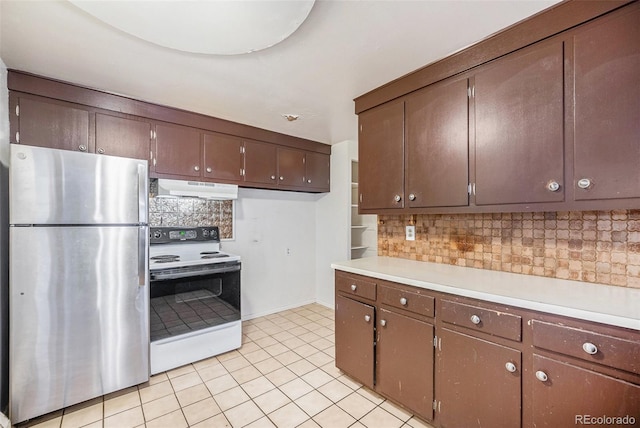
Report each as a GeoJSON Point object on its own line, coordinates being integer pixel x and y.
{"type": "Point", "coordinates": [186, 301]}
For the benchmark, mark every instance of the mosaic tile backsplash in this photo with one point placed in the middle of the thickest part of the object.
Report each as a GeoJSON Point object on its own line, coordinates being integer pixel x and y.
{"type": "Point", "coordinates": [190, 212]}
{"type": "Point", "coordinates": [590, 246]}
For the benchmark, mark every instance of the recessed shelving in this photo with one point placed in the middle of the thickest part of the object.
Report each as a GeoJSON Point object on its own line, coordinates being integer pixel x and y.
{"type": "Point", "coordinates": [364, 230]}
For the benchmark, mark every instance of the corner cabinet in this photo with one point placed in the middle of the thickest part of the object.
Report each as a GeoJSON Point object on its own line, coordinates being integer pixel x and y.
{"type": "Point", "coordinates": [459, 362]}
{"type": "Point", "coordinates": [550, 126]}
{"type": "Point", "coordinates": [381, 157]}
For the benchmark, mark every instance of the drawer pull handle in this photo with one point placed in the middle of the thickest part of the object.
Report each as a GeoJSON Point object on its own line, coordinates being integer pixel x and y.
{"type": "Point", "coordinates": [475, 319]}
{"type": "Point", "coordinates": [590, 348]}
{"type": "Point", "coordinates": [82, 148]}
{"type": "Point", "coordinates": [403, 301]}
{"type": "Point", "coordinates": [353, 287]}
{"type": "Point", "coordinates": [511, 368]}
{"type": "Point", "coordinates": [383, 323]}
{"type": "Point", "coordinates": [397, 198]}
{"type": "Point", "coordinates": [541, 376]}
{"type": "Point", "coordinates": [584, 183]}
{"type": "Point", "coordinates": [367, 318]}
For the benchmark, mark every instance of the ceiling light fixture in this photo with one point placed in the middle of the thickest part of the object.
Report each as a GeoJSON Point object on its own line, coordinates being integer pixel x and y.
{"type": "Point", "coordinates": [221, 27]}
{"type": "Point", "coordinates": [291, 117]}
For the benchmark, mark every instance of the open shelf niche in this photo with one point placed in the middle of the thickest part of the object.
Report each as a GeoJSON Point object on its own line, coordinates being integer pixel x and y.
{"type": "Point", "coordinates": [364, 228]}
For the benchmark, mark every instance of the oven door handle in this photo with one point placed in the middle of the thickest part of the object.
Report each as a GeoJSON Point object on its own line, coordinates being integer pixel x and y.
{"type": "Point", "coordinates": [155, 276]}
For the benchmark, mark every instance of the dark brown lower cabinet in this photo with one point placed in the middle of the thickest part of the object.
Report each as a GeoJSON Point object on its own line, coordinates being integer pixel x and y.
{"type": "Point", "coordinates": [476, 386]}
{"type": "Point", "coordinates": [404, 361]}
{"type": "Point", "coordinates": [566, 395]}
{"type": "Point", "coordinates": [354, 330]}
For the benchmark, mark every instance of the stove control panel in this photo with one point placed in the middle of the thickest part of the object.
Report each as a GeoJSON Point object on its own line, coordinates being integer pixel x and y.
{"type": "Point", "coordinates": [174, 235]}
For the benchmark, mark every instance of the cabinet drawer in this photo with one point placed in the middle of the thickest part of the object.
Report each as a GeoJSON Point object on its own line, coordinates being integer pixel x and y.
{"type": "Point", "coordinates": [356, 286]}
{"type": "Point", "coordinates": [496, 323]}
{"type": "Point", "coordinates": [588, 345]}
{"type": "Point", "coordinates": [407, 300]}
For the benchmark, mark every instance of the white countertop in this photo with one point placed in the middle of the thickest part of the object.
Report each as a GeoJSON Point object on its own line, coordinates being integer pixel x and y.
{"type": "Point", "coordinates": [619, 306]}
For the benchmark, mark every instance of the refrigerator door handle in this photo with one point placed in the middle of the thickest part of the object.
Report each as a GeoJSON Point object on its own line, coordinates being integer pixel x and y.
{"type": "Point", "coordinates": [143, 196]}
{"type": "Point", "coordinates": [142, 255]}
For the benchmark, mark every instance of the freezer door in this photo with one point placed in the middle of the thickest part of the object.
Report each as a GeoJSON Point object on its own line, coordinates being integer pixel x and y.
{"type": "Point", "coordinates": [79, 318]}
{"type": "Point", "coordinates": [48, 186]}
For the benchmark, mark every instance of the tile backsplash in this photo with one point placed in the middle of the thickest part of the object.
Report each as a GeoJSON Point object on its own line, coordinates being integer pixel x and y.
{"type": "Point", "coordinates": [190, 212]}
{"type": "Point", "coordinates": [590, 246]}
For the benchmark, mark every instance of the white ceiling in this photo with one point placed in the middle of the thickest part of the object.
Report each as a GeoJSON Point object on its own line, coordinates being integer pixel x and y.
{"type": "Point", "coordinates": [342, 50]}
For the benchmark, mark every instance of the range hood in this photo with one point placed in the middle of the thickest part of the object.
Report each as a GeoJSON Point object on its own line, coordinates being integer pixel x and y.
{"type": "Point", "coordinates": [197, 189]}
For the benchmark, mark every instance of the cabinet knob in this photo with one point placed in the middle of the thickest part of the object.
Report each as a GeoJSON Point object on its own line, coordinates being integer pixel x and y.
{"type": "Point", "coordinates": [196, 168]}
{"type": "Point", "coordinates": [273, 177]}
{"type": "Point", "coordinates": [403, 301]}
{"type": "Point", "coordinates": [475, 319]}
{"type": "Point", "coordinates": [584, 183]}
{"type": "Point", "coordinates": [367, 318]}
{"type": "Point", "coordinates": [309, 181]}
{"type": "Point", "coordinates": [383, 323]}
{"type": "Point", "coordinates": [590, 348]}
{"type": "Point", "coordinates": [397, 198]}
{"type": "Point", "coordinates": [209, 169]}
{"type": "Point", "coordinates": [353, 287]}
{"type": "Point", "coordinates": [553, 186]}
{"type": "Point", "coordinates": [281, 178]}
{"type": "Point", "coordinates": [412, 197]}
{"type": "Point", "coordinates": [101, 150]}
{"type": "Point", "coordinates": [511, 368]}
{"type": "Point", "coordinates": [541, 376]}
{"type": "Point", "coordinates": [82, 148]}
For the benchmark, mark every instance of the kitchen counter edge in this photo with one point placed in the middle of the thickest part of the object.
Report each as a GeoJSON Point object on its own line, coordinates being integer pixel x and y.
{"type": "Point", "coordinates": [606, 304]}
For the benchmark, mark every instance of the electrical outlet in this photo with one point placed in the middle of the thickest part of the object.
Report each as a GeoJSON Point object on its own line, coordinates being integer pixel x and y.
{"type": "Point", "coordinates": [410, 233]}
{"type": "Point", "coordinates": [287, 251]}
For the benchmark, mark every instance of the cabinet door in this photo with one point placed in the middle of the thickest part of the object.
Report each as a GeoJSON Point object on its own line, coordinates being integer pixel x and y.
{"type": "Point", "coordinates": [177, 150]}
{"type": "Point", "coordinates": [381, 157]}
{"type": "Point", "coordinates": [519, 137]}
{"type": "Point", "coordinates": [571, 392]}
{"type": "Point", "coordinates": [57, 125]}
{"type": "Point", "coordinates": [474, 387]}
{"type": "Point", "coordinates": [260, 162]}
{"type": "Point", "coordinates": [118, 136]}
{"type": "Point", "coordinates": [437, 132]}
{"type": "Point", "coordinates": [290, 167]}
{"type": "Point", "coordinates": [317, 171]}
{"type": "Point", "coordinates": [607, 107]}
{"type": "Point", "coordinates": [404, 361]}
{"type": "Point", "coordinates": [222, 157]}
{"type": "Point", "coordinates": [354, 339]}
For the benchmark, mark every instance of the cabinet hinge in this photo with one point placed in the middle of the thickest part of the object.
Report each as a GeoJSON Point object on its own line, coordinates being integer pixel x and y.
{"type": "Point", "coordinates": [469, 92]}
{"type": "Point", "coordinates": [473, 91]}
{"type": "Point", "coordinates": [17, 136]}
{"type": "Point", "coordinates": [241, 172]}
{"type": "Point", "coordinates": [360, 128]}
{"type": "Point", "coordinates": [361, 197]}
{"type": "Point", "coordinates": [435, 341]}
{"type": "Point", "coordinates": [18, 110]}
{"type": "Point", "coordinates": [435, 404]}
{"type": "Point", "coordinates": [154, 161]}
{"type": "Point", "coordinates": [469, 189]}
{"type": "Point", "coordinates": [242, 149]}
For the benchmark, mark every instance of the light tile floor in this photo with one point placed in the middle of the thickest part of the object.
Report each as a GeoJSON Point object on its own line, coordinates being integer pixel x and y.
{"type": "Point", "coordinates": [284, 375]}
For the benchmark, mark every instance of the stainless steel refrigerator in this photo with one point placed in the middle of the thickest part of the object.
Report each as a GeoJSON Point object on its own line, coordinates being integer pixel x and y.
{"type": "Point", "coordinates": [78, 278]}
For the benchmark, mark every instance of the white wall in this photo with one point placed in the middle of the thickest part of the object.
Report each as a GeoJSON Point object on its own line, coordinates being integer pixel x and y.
{"type": "Point", "coordinates": [4, 237]}
{"type": "Point", "coordinates": [267, 223]}
{"type": "Point", "coordinates": [332, 230]}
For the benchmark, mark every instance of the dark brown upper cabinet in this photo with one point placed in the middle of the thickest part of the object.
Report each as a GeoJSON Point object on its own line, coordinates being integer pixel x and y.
{"type": "Point", "coordinates": [381, 157]}
{"type": "Point", "coordinates": [437, 140]}
{"type": "Point", "coordinates": [118, 136]}
{"type": "Point", "coordinates": [260, 163]}
{"type": "Point", "coordinates": [50, 123]}
{"type": "Point", "coordinates": [519, 135]}
{"type": "Point", "coordinates": [222, 157]}
{"type": "Point", "coordinates": [291, 170]}
{"type": "Point", "coordinates": [317, 171]}
{"type": "Point", "coordinates": [177, 150]}
{"type": "Point", "coordinates": [606, 74]}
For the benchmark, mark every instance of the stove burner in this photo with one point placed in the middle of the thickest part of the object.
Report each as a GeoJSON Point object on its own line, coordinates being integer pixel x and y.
{"type": "Point", "coordinates": [213, 256]}
{"type": "Point", "coordinates": [206, 253]}
{"type": "Point", "coordinates": [168, 258]}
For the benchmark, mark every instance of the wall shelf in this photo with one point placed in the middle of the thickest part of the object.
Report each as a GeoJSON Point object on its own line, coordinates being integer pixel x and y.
{"type": "Point", "coordinates": [364, 228]}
